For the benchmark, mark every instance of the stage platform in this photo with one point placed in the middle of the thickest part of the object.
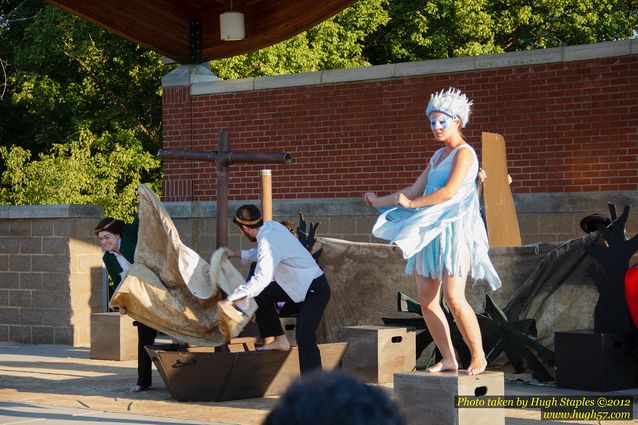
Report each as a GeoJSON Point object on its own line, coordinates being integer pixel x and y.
{"type": "Point", "coordinates": [61, 384]}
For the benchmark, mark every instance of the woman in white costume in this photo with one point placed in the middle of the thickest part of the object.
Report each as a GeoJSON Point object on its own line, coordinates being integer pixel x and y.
{"type": "Point", "coordinates": [437, 224]}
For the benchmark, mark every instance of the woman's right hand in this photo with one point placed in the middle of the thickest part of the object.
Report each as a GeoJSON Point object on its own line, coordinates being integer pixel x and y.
{"type": "Point", "coordinates": [370, 198]}
{"type": "Point", "coordinates": [481, 176]}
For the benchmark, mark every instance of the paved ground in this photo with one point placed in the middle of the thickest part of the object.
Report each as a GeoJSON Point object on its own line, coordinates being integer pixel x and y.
{"type": "Point", "coordinates": [61, 385]}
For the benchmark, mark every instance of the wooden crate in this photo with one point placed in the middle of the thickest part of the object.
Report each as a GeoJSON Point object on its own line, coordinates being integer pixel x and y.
{"type": "Point", "coordinates": [289, 325]}
{"type": "Point", "coordinates": [607, 357]}
{"type": "Point", "coordinates": [221, 374]}
{"type": "Point", "coordinates": [432, 395]}
{"type": "Point", "coordinates": [113, 337]}
{"type": "Point", "coordinates": [376, 353]}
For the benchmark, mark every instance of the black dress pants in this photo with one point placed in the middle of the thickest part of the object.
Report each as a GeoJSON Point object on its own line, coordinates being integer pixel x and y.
{"type": "Point", "coordinates": [145, 336]}
{"type": "Point", "coordinates": [311, 311]}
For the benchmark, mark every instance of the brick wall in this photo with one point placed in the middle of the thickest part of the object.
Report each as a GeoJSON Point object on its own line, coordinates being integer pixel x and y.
{"type": "Point", "coordinates": [50, 274]}
{"type": "Point", "coordinates": [569, 116]}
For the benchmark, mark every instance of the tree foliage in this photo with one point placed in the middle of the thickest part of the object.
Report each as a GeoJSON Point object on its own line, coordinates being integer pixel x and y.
{"type": "Point", "coordinates": [81, 120]}
{"type": "Point", "coordinates": [419, 29]}
{"type": "Point", "coordinates": [73, 75]}
{"type": "Point", "coordinates": [93, 170]}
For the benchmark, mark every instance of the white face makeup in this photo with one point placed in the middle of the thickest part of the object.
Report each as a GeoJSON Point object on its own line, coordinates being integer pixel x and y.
{"type": "Point", "coordinates": [441, 121]}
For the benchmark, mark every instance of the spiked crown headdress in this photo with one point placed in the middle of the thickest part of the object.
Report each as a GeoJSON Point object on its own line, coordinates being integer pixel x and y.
{"type": "Point", "coordinates": [451, 102]}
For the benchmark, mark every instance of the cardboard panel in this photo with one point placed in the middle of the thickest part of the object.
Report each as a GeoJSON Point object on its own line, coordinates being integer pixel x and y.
{"type": "Point", "coordinates": [502, 224]}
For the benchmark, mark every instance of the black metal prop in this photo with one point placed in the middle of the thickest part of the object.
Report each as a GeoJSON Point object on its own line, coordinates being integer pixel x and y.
{"type": "Point", "coordinates": [306, 234]}
{"type": "Point", "coordinates": [612, 254]}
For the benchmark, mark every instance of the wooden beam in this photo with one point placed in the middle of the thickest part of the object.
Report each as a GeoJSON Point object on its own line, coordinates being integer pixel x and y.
{"type": "Point", "coordinates": [160, 25]}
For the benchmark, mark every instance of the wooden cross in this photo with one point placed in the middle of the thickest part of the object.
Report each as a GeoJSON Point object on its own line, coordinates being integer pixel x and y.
{"type": "Point", "coordinates": [223, 158]}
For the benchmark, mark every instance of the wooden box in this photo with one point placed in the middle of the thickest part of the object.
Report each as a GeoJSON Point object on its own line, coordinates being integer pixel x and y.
{"type": "Point", "coordinates": [423, 395]}
{"type": "Point", "coordinates": [222, 374]}
{"type": "Point", "coordinates": [113, 337]}
{"type": "Point", "coordinates": [289, 325]}
{"type": "Point", "coordinates": [593, 361]}
{"type": "Point", "coordinates": [375, 353]}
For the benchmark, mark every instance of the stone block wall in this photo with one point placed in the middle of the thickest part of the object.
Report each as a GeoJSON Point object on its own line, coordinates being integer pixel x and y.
{"type": "Point", "coordinates": [51, 277]}
{"type": "Point", "coordinates": [555, 217]}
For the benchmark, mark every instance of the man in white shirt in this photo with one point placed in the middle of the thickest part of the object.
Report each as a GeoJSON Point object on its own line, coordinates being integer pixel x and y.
{"type": "Point", "coordinates": [285, 271]}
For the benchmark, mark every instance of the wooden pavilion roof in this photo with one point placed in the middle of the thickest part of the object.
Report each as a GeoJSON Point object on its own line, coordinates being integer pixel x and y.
{"type": "Point", "coordinates": [164, 25]}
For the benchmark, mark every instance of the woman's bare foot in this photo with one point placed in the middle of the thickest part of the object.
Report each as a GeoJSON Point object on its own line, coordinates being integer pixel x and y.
{"type": "Point", "coordinates": [445, 365]}
{"type": "Point", "coordinates": [139, 388]}
{"type": "Point", "coordinates": [279, 344]}
{"type": "Point", "coordinates": [477, 366]}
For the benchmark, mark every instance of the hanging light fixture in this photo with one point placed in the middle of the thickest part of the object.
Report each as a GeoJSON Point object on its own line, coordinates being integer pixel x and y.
{"type": "Point", "coordinates": [231, 25]}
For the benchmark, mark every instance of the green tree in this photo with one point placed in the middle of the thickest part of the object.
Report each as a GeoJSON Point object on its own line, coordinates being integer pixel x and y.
{"type": "Point", "coordinates": [419, 29]}
{"type": "Point", "coordinates": [69, 74]}
{"type": "Point", "coordinates": [92, 170]}
{"type": "Point", "coordinates": [81, 105]}
{"type": "Point", "coordinates": [14, 17]}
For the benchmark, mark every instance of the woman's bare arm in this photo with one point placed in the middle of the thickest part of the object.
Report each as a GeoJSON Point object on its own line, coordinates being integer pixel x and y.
{"type": "Point", "coordinates": [411, 191]}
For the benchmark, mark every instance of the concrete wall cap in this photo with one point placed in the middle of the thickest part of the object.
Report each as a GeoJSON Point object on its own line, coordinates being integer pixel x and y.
{"type": "Point", "coordinates": [50, 211]}
{"type": "Point", "coordinates": [291, 80]}
{"type": "Point", "coordinates": [223, 86]}
{"type": "Point", "coordinates": [378, 72]}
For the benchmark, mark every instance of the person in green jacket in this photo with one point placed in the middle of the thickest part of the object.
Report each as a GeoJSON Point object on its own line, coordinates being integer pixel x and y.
{"type": "Point", "coordinates": [119, 240]}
